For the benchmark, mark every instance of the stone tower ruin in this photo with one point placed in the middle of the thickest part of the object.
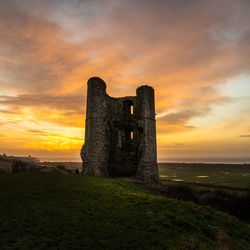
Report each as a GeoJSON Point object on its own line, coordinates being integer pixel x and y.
{"type": "Point", "coordinates": [120, 134]}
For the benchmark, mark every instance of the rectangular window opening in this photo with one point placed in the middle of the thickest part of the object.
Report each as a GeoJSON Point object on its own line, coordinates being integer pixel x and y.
{"type": "Point", "coordinates": [131, 109]}
{"type": "Point", "coordinates": [131, 135]}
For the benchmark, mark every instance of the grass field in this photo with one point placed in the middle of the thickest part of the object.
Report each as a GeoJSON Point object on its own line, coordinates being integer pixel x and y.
{"type": "Point", "coordinates": [52, 211]}
{"type": "Point", "coordinates": [225, 175]}
{"type": "Point", "coordinates": [68, 165]}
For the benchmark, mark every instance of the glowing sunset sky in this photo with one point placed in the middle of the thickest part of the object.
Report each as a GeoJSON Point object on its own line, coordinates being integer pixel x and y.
{"type": "Point", "coordinates": [195, 53]}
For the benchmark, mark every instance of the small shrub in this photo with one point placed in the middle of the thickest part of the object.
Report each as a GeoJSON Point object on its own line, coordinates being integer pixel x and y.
{"type": "Point", "coordinates": [189, 245]}
{"type": "Point", "coordinates": [182, 192]}
{"type": "Point", "coordinates": [19, 166]}
{"type": "Point", "coordinates": [230, 203]}
{"type": "Point", "coordinates": [224, 240]}
{"type": "Point", "coordinates": [62, 167]}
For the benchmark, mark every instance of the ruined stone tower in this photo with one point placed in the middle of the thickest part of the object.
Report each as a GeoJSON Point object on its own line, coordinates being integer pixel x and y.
{"type": "Point", "coordinates": [120, 134]}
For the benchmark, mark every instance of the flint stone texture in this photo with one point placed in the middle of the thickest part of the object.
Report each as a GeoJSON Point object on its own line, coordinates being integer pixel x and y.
{"type": "Point", "coordinates": [120, 134]}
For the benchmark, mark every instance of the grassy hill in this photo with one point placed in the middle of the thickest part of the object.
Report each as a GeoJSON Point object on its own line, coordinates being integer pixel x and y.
{"type": "Point", "coordinates": [52, 211]}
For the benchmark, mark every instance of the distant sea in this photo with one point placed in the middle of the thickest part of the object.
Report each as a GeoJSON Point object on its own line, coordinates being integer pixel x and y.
{"type": "Point", "coordinates": [206, 160]}
{"type": "Point", "coordinates": [163, 160]}
{"type": "Point", "coordinates": [61, 159]}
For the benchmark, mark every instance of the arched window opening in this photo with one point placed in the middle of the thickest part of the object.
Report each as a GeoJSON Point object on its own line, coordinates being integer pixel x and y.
{"type": "Point", "coordinates": [132, 135]}
{"type": "Point", "coordinates": [128, 108]}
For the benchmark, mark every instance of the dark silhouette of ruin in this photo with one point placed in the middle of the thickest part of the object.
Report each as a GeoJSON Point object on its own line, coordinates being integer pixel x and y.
{"type": "Point", "coordinates": [120, 134]}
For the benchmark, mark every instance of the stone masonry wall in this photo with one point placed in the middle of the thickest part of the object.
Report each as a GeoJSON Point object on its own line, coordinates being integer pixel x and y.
{"type": "Point", "coordinates": [120, 134]}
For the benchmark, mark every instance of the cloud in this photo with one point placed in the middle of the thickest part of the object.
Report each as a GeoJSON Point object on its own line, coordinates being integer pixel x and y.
{"type": "Point", "coordinates": [45, 133]}
{"type": "Point", "coordinates": [183, 116]}
{"type": "Point", "coordinates": [174, 145]}
{"type": "Point", "coordinates": [37, 131]}
{"type": "Point", "coordinates": [7, 111]}
{"type": "Point", "coordinates": [34, 57]}
{"type": "Point", "coordinates": [175, 122]}
{"type": "Point", "coordinates": [153, 42]}
{"type": "Point", "coordinates": [244, 136]}
{"type": "Point", "coordinates": [70, 102]}
{"type": "Point", "coordinates": [63, 110]}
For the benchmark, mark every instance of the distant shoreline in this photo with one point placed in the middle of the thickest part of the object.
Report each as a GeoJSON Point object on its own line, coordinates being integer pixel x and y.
{"type": "Point", "coordinates": [236, 161]}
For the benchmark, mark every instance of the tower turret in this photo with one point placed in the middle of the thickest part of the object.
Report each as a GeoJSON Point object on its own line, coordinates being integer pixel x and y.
{"type": "Point", "coordinates": [95, 150]}
{"type": "Point", "coordinates": [147, 169]}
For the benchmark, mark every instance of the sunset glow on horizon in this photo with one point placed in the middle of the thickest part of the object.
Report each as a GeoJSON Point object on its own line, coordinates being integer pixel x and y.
{"type": "Point", "coordinates": [196, 55]}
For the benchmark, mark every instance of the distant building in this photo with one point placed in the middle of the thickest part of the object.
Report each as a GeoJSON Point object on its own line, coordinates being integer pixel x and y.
{"type": "Point", "coordinates": [29, 159]}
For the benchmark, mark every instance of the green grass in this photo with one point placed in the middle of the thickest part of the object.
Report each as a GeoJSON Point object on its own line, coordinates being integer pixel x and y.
{"type": "Point", "coordinates": [49, 211]}
{"type": "Point", "coordinates": [236, 176]}
{"type": "Point", "coordinates": [201, 188]}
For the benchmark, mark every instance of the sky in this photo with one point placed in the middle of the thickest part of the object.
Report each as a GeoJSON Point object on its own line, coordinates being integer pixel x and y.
{"type": "Point", "coordinates": [195, 53]}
